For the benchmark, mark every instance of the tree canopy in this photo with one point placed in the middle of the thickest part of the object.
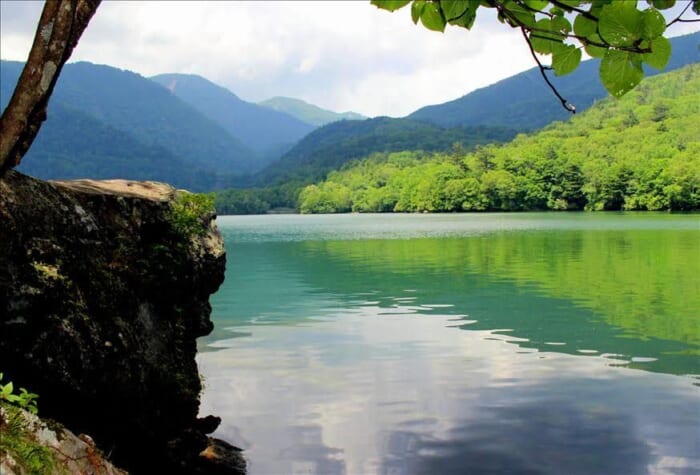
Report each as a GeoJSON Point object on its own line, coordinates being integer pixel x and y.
{"type": "Point", "coordinates": [638, 153]}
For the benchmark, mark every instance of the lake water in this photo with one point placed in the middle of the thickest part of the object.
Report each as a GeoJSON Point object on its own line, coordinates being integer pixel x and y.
{"type": "Point", "coordinates": [537, 343]}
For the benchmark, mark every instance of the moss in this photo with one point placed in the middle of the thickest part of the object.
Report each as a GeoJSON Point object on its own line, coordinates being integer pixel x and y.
{"type": "Point", "coordinates": [18, 442]}
{"type": "Point", "coordinates": [47, 271]}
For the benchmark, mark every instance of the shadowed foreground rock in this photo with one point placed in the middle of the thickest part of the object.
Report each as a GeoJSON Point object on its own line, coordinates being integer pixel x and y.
{"type": "Point", "coordinates": [102, 298]}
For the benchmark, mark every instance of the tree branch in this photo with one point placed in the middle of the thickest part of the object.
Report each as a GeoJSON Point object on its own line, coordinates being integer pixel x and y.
{"type": "Point", "coordinates": [565, 104]}
{"type": "Point", "coordinates": [678, 18]}
{"type": "Point", "coordinates": [61, 24]}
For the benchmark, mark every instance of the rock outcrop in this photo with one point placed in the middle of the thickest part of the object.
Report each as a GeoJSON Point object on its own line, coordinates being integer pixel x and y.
{"type": "Point", "coordinates": [103, 293]}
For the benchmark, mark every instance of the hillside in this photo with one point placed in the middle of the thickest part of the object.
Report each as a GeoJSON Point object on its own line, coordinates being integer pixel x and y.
{"type": "Point", "coordinates": [63, 150]}
{"type": "Point", "coordinates": [268, 132]}
{"type": "Point", "coordinates": [524, 101]}
{"type": "Point", "coordinates": [641, 152]}
{"type": "Point", "coordinates": [308, 113]}
{"type": "Point", "coordinates": [145, 115]}
{"type": "Point", "coordinates": [331, 146]}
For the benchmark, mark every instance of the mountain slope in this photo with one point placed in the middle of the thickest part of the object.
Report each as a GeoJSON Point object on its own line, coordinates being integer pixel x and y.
{"type": "Point", "coordinates": [308, 113]}
{"type": "Point", "coordinates": [145, 132]}
{"type": "Point", "coordinates": [641, 152]}
{"type": "Point", "coordinates": [525, 102]}
{"type": "Point", "coordinates": [131, 103]}
{"type": "Point", "coordinates": [63, 150]}
{"type": "Point", "coordinates": [334, 144]}
{"type": "Point", "coordinates": [262, 129]}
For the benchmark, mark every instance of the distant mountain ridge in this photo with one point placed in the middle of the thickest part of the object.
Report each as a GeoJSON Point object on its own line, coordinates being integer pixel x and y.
{"type": "Point", "coordinates": [525, 102]}
{"type": "Point", "coordinates": [268, 132]}
{"type": "Point", "coordinates": [308, 113]}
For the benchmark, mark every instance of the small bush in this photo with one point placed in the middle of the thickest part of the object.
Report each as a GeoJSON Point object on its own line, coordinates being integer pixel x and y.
{"type": "Point", "coordinates": [187, 212]}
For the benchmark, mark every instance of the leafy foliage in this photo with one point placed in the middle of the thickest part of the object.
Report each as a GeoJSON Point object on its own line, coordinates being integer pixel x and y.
{"type": "Point", "coordinates": [619, 32]}
{"type": "Point", "coordinates": [189, 211]}
{"type": "Point", "coordinates": [639, 153]}
{"type": "Point", "coordinates": [23, 399]}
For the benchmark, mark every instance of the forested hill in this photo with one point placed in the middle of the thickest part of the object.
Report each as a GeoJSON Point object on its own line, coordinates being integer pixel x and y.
{"type": "Point", "coordinates": [329, 147]}
{"type": "Point", "coordinates": [268, 132]}
{"type": "Point", "coordinates": [146, 132]}
{"type": "Point", "coordinates": [526, 103]}
{"type": "Point", "coordinates": [308, 113]}
{"type": "Point", "coordinates": [641, 152]}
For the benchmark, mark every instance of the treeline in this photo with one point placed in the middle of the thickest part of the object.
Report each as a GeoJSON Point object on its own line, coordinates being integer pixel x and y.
{"type": "Point", "coordinates": [638, 153]}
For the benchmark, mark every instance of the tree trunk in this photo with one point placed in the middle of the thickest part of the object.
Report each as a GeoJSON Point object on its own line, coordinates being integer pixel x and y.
{"type": "Point", "coordinates": [61, 24]}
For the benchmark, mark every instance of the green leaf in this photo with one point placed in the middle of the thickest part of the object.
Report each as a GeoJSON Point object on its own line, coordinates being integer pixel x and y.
{"type": "Point", "coordinates": [565, 59]}
{"type": "Point", "coordinates": [417, 10]}
{"type": "Point", "coordinates": [556, 11]}
{"type": "Point", "coordinates": [466, 18]}
{"type": "Point", "coordinates": [653, 24]}
{"type": "Point", "coordinates": [660, 53]}
{"type": "Point", "coordinates": [390, 5]}
{"type": "Point", "coordinates": [620, 23]}
{"type": "Point", "coordinates": [619, 73]}
{"type": "Point", "coordinates": [542, 38]}
{"type": "Point", "coordinates": [519, 15]}
{"type": "Point", "coordinates": [432, 18]}
{"type": "Point", "coordinates": [696, 6]}
{"type": "Point", "coordinates": [568, 4]}
{"type": "Point", "coordinates": [584, 26]}
{"type": "Point", "coordinates": [592, 50]}
{"type": "Point", "coordinates": [664, 4]}
{"type": "Point", "coordinates": [561, 25]}
{"type": "Point", "coordinates": [537, 4]}
{"type": "Point", "coordinates": [454, 8]}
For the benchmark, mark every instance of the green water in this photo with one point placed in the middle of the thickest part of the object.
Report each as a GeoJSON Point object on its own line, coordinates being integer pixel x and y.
{"type": "Point", "coordinates": [486, 343]}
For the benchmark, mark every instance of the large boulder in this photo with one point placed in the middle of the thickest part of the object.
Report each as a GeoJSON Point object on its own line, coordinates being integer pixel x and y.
{"type": "Point", "coordinates": [104, 289]}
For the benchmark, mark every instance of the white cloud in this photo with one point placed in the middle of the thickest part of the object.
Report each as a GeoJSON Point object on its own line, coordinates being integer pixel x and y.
{"type": "Point", "coordinates": [342, 55]}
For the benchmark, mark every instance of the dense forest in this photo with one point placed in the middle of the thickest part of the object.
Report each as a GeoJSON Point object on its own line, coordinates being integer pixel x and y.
{"type": "Point", "coordinates": [330, 147]}
{"type": "Point", "coordinates": [641, 152]}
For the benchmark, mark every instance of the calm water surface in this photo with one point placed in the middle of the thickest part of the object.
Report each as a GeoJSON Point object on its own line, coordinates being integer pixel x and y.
{"type": "Point", "coordinates": [458, 344]}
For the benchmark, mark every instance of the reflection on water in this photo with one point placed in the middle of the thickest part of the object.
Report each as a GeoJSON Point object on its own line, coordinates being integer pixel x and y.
{"type": "Point", "coordinates": [459, 344]}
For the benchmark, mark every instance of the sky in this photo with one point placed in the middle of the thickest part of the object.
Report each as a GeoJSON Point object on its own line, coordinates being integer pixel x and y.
{"type": "Point", "coordinates": [339, 55]}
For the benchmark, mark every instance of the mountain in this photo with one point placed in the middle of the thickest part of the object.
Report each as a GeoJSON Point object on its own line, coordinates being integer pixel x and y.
{"type": "Point", "coordinates": [63, 150]}
{"type": "Point", "coordinates": [641, 152]}
{"type": "Point", "coordinates": [145, 132]}
{"type": "Point", "coordinates": [308, 113]}
{"type": "Point", "coordinates": [332, 145]}
{"type": "Point", "coordinates": [524, 101]}
{"type": "Point", "coordinates": [149, 112]}
{"type": "Point", "coordinates": [268, 132]}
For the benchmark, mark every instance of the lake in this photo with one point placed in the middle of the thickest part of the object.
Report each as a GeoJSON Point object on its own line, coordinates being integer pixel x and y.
{"type": "Point", "coordinates": [533, 343]}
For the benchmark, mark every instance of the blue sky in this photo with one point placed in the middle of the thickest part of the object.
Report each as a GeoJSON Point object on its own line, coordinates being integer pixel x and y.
{"type": "Point", "coordinates": [341, 55]}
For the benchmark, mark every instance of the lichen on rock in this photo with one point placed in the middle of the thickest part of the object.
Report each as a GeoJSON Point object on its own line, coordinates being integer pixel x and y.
{"type": "Point", "coordinates": [101, 302]}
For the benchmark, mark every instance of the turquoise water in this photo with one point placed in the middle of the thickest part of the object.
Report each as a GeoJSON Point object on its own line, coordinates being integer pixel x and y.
{"type": "Point", "coordinates": [467, 343]}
